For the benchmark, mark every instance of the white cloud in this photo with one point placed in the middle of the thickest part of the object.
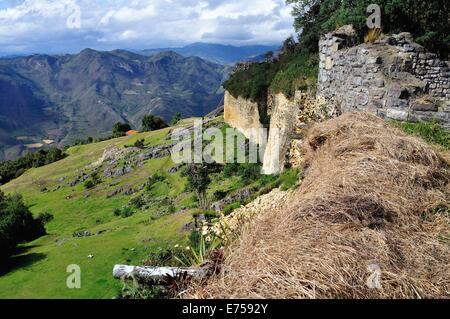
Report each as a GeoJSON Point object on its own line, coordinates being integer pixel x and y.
{"type": "Point", "coordinates": [41, 25]}
{"type": "Point", "coordinates": [127, 14]}
{"type": "Point", "coordinates": [235, 9]}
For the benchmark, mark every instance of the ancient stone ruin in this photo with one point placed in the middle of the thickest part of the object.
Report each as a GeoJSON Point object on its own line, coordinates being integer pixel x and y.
{"type": "Point", "coordinates": [393, 77]}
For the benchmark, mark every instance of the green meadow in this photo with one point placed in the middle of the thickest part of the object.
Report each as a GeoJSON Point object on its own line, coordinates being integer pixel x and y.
{"type": "Point", "coordinates": [39, 268]}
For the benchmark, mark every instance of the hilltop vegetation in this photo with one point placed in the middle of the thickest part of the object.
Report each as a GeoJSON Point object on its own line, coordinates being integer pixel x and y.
{"type": "Point", "coordinates": [290, 71]}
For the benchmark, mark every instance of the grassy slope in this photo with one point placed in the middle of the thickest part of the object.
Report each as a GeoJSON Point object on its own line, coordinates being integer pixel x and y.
{"type": "Point", "coordinates": [40, 270]}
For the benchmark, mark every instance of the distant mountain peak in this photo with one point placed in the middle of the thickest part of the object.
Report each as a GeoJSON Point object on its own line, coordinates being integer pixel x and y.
{"type": "Point", "coordinates": [88, 51]}
{"type": "Point", "coordinates": [218, 53]}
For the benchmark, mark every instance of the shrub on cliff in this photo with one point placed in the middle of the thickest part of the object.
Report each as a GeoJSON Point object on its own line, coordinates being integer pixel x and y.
{"type": "Point", "coordinates": [252, 83]}
{"type": "Point", "coordinates": [299, 72]}
{"type": "Point", "coordinates": [291, 71]}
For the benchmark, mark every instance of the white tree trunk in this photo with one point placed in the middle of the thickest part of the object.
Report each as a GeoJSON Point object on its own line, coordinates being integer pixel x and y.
{"type": "Point", "coordinates": [154, 273]}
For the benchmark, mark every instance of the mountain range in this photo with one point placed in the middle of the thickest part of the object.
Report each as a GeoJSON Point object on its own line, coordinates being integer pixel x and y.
{"type": "Point", "coordinates": [63, 98]}
{"type": "Point", "coordinates": [219, 53]}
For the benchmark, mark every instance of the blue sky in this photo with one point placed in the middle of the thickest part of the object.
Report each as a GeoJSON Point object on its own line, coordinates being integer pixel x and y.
{"type": "Point", "coordinates": [58, 26]}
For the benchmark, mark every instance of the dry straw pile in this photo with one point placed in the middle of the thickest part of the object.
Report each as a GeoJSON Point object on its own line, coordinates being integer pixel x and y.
{"type": "Point", "coordinates": [372, 199]}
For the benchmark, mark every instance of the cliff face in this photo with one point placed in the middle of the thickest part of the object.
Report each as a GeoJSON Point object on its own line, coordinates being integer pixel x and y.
{"type": "Point", "coordinates": [288, 119]}
{"type": "Point", "coordinates": [244, 116]}
{"type": "Point", "coordinates": [282, 124]}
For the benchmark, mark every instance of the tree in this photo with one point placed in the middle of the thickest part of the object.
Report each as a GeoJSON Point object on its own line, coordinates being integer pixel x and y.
{"type": "Point", "coordinates": [17, 224]}
{"type": "Point", "coordinates": [268, 56]}
{"type": "Point", "coordinates": [53, 154]}
{"type": "Point", "coordinates": [427, 20]}
{"type": "Point", "coordinates": [152, 123]}
{"type": "Point", "coordinates": [198, 181]}
{"type": "Point", "coordinates": [175, 119]}
{"type": "Point", "coordinates": [119, 129]}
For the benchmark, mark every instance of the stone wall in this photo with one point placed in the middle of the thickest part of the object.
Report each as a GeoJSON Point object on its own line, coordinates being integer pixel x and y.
{"type": "Point", "coordinates": [393, 77]}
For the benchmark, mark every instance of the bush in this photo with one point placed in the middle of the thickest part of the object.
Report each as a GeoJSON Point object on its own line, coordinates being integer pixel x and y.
{"type": "Point", "coordinates": [127, 212]}
{"type": "Point", "coordinates": [175, 119]}
{"type": "Point", "coordinates": [249, 172]}
{"type": "Point", "coordinates": [153, 123]}
{"type": "Point", "coordinates": [89, 184]}
{"type": "Point", "coordinates": [198, 177]}
{"type": "Point", "coordinates": [139, 144]}
{"type": "Point", "coordinates": [230, 169]}
{"type": "Point", "coordinates": [17, 224]}
{"type": "Point", "coordinates": [45, 218]}
{"type": "Point", "coordinates": [137, 202]}
{"type": "Point", "coordinates": [117, 212]}
{"type": "Point", "coordinates": [289, 179]}
{"type": "Point", "coordinates": [119, 129]}
{"type": "Point", "coordinates": [124, 213]}
{"type": "Point", "coordinates": [267, 179]}
{"type": "Point", "coordinates": [218, 195]}
{"type": "Point", "coordinates": [152, 180]}
{"type": "Point", "coordinates": [94, 181]}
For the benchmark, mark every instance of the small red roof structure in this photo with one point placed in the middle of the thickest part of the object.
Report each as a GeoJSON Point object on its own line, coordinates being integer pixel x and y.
{"type": "Point", "coordinates": [132, 132]}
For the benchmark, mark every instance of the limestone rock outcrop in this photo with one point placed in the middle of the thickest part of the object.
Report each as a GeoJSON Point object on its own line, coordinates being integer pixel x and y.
{"type": "Point", "coordinates": [244, 115]}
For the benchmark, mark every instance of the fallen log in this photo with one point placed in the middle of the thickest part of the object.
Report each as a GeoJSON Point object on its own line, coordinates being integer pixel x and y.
{"type": "Point", "coordinates": [155, 273]}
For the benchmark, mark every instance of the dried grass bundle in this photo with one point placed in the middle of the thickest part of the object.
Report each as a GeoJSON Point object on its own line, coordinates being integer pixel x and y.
{"type": "Point", "coordinates": [364, 210]}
